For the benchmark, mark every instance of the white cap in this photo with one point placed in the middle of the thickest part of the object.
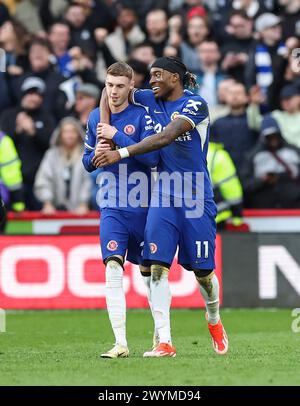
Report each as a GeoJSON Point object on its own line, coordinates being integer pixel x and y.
{"type": "Point", "coordinates": [33, 83]}
{"type": "Point", "coordinates": [266, 20]}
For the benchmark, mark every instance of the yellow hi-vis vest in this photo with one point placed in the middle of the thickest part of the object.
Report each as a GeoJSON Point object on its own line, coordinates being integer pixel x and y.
{"type": "Point", "coordinates": [10, 168]}
{"type": "Point", "coordinates": [227, 187]}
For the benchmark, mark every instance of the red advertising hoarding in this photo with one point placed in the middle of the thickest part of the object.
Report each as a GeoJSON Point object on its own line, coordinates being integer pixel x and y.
{"type": "Point", "coordinates": [66, 272]}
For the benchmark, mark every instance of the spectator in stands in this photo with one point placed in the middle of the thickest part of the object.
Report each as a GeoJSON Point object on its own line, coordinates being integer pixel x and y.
{"type": "Point", "coordinates": [30, 129]}
{"type": "Point", "coordinates": [233, 130]}
{"type": "Point", "coordinates": [238, 45]}
{"type": "Point", "coordinates": [157, 30]}
{"type": "Point", "coordinates": [266, 61]}
{"type": "Point", "coordinates": [143, 52]}
{"type": "Point", "coordinates": [127, 34]}
{"type": "Point", "coordinates": [288, 118]}
{"type": "Point", "coordinates": [291, 18]}
{"type": "Point", "coordinates": [197, 31]}
{"type": "Point", "coordinates": [11, 181]}
{"type": "Point", "coordinates": [5, 99]}
{"type": "Point", "coordinates": [288, 73]}
{"type": "Point", "coordinates": [61, 182]}
{"type": "Point", "coordinates": [97, 11]}
{"type": "Point", "coordinates": [104, 57]}
{"type": "Point", "coordinates": [83, 66]}
{"type": "Point", "coordinates": [252, 8]}
{"type": "Point", "coordinates": [97, 32]}
{"type": "Point", "coordinates": [182, 7]}
{"type": "Point", "coordinates": [14, 39]}
{"type": "Point", "coordinates": [210, 75]}
{"type": "Point", "coordinates": [40, 65]}
{"type": "Point", "coordinates": [271, 172]}
{"type": "Point", "coordinates": [27, 14]}
{"type": "Point", "coordinates": [4, 14]}
{"type": "Point", "coordinates": [175, 24]}
{"type": "Point", "coordinates": [221, 109]}
{"type": "Point", "coordinates": [228, 193]}
{"type": "Point", "coordinates": [142, 8]}
{"type": "Point", "coordinates": [81, 33]}
{"type": "Point", "coordinates": [141, 73]}
{"type": "Point", "coordinates": [292, 72]}
{"type": "Point", "coordinates": [87, 98]}
{"type": "Point", "coordinates": [60, 37]}
{"type": "Point", "coordinates": [99, 14]}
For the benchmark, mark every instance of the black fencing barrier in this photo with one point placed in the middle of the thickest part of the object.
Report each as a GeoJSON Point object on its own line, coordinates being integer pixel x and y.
{"type": "Point", "coordinates": [261, 269]}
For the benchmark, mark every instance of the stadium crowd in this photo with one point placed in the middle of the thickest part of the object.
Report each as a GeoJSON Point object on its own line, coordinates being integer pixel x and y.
{"type": "Point", "coordinates": [246, 58]}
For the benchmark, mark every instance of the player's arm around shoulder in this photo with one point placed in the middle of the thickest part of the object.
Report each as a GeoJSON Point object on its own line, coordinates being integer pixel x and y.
{"type": "Point", "coordinates": [146, 130]}
{"type": "Point", "coordinates": [90, 142]}
{"type": "Point", "coordinates": [173, 130]}
{"type": "Point", "coordinates": [149, 144]}
{"type": "Point", "coordinates": [141, 97]}
{"type": "Point", "coordinates": [193, 111]}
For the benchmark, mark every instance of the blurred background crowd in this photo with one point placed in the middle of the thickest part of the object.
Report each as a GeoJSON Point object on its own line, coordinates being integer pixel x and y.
{"type": "Point", "coordinates": [244, 53]}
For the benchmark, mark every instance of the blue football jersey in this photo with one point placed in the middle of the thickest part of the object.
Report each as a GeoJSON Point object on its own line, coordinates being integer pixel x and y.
{"type": "Point", "coordinates": [187, 154]}
{"type": "Point", "coordinates": [117, 181]}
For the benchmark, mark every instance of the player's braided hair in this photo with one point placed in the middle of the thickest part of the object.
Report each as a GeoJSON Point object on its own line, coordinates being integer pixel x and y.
{"type": "Point", "coordinates": [189, 80]}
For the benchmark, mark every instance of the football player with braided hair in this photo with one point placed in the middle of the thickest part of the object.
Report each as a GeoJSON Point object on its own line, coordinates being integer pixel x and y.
{"type": "Point", "coordinates": [182, 125]}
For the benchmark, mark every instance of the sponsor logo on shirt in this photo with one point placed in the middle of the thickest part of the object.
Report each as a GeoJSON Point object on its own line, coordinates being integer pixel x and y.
{"type": "Point", "coordinates": [185, 137]}
{"type": "Point", "coordinates": [185, 110]}
{"type": "Point", "coordinates": [193, 104]}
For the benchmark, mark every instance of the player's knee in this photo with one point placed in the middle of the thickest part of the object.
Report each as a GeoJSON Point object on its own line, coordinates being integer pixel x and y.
{"type": "Point", "coordinates": [114, 258]}
{"type": "Point", "coordinates": [145, 270]}
{"type": "Point", "coordinates": [159, 271]}
{"type": "Point", "coordinates": [114, 272]}
{"type": "Point", "coordinates": [203, 275]}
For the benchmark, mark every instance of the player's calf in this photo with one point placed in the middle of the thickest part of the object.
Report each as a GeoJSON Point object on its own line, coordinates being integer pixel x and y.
{"type": "Point", "coordinates": [115, 298]}
{"type": "Point", "coordinates": [161, 301]}
{"type": "Point", "coordinates": [209, 288]}
{"type": "Point", "coordinates": [146, 274]}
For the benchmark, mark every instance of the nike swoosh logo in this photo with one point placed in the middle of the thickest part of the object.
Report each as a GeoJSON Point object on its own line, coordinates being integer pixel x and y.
{"type": "Point", "coordinates": [158, 112]}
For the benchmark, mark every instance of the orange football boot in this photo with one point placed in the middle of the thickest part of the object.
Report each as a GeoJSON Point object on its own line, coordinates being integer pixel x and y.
{"type": "Point", "coordinates": [162, 350]}
{"type": "Point", "coordinates": [219, 337]}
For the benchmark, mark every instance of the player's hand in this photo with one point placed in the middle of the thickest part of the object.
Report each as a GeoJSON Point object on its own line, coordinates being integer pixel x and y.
{"type": "Point", "coordinates": [106, 158]}
{"type": "Point", "coordinates": [100, 34]}
{"type": "Point", "coordinates": [105, 131]}
{"type": "Point", "coordinates": [103, 145]}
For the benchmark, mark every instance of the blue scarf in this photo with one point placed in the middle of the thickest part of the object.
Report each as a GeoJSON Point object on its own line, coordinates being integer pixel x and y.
{"type": "Point", "coordinates": [263, 63]}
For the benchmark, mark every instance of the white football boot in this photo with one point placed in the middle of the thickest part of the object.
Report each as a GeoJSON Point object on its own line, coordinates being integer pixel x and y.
{"type": "Point", "coordinates": [118, 351]}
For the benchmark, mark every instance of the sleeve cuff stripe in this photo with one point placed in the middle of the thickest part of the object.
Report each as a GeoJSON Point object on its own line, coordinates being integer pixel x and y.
{"type": "Point", "coordinates": [187, 119]}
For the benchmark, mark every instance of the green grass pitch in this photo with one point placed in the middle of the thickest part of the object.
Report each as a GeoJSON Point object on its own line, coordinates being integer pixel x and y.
{"type": "Point", "coordinates": [63, 347]}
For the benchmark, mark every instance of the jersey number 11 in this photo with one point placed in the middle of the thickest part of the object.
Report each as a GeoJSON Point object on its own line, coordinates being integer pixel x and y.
{"type": "Point", "coordinates": [202, 246]}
